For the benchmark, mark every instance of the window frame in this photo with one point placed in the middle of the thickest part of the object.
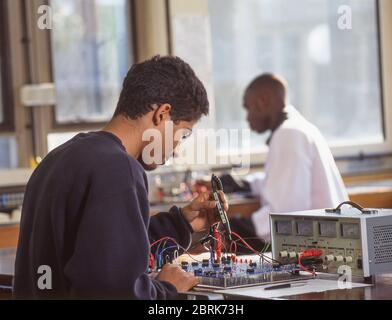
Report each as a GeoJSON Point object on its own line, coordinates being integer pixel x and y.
{"type": "Point", "coordinates": [147, 37]}
{"type": "Point", "coordinates": [345, 152]}
{"type": "Point", "coordinates": [7, 125]}
{"type": "Point", "coordinates": [92, 125]}
{"type": "Point", "coordinates": [150, 33]}
{"type": "Point", "coordinates": [39, 61]}
{"type": "Point", "coordinates": [349, 152]}
{"type": "Point", "coordinates": [371, 150]}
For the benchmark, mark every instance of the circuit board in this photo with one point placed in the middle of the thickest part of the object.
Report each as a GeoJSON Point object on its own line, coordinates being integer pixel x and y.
{"type": "Point", "coordinates": [234, 274]}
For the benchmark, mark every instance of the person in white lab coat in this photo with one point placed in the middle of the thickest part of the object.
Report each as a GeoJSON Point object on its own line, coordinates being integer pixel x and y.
{"type": "Point", "coordinates": [300, 171]}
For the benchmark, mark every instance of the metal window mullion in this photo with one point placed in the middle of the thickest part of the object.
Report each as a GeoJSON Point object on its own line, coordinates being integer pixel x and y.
{"type": "Point", "coordinates": [40, 71]}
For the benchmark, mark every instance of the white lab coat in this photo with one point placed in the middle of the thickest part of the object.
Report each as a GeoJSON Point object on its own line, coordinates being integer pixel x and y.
{"type": "Point", "coordinates": [300, 173]}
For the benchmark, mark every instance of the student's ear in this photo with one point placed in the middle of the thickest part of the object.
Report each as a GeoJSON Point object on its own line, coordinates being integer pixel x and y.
{"type": "Point", "coordinates": [162, 113]}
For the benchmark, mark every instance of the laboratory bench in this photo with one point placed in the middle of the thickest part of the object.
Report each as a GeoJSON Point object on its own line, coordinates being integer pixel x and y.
{"type": "Point", "coordinates": [380, 290]}
{"type": "Point", "coordinates": [9, 233]}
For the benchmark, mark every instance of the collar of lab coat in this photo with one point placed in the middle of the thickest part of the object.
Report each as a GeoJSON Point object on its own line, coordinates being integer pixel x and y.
{"type": "Point", "coordinates": [289, 112]}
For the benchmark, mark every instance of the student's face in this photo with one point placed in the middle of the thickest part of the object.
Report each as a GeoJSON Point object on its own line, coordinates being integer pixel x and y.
{"type": "Point", "coordinates": [258, 111]}
{"type": "Point", "coordinates": [171, 135]}
{"type": "Point", "coordinates": [181, 131]}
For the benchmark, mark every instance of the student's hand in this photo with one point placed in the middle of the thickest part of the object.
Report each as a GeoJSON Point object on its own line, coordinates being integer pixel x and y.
{"type": "Point", "coordinates": [201, 212]}
{"type": "Point", "coordinates": [183, 281]}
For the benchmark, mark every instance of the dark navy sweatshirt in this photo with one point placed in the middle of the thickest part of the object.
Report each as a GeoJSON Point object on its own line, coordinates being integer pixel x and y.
{"type": "Point", "coordinates": [86, 216]}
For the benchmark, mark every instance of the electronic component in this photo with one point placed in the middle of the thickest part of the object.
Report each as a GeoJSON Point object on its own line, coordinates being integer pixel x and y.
{"type": "Point", "coordinates": [355, 237]}
{"type": "Point", "coordinates": [240, 274]}
{"type": "Point", "coordinates": [229, 271]}
{"type": "Point", "coordinates": [224, 221]}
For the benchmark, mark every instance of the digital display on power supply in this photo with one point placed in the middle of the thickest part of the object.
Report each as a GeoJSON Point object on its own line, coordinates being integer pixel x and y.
{"type": "Point", "coordinates": [327, 229]}
{"type": "Point", "coordinates": [305, 228]}
{"type": "Point", "coordinates": [284, 227]}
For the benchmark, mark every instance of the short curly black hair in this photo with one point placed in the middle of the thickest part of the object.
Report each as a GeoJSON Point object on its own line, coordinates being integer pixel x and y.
{"type": "Point", "coordinates": [162, 80]}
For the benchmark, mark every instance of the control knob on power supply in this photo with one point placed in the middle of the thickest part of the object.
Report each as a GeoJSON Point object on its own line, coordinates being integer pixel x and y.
{"type": "Point", "coordinates": [339, 258]}
{"type": "Point", "coordinates": [348, 259]}
{"type": "Point", "coordinates": [292, 254]}
{"type": "Point", "coordinates": [283, 254]}
{"type": "Point", "coordinates": [329, 258]}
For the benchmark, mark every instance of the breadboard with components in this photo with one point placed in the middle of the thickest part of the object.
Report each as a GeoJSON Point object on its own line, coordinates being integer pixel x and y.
{"type": "Point", "coordinates": [224, 271]}
{"type": "Point", "coordinates": [239, 273]}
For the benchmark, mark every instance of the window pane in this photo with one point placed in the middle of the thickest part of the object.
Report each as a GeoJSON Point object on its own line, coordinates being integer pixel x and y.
{"type": "Point", "coordinates": [8, 153]}
{"type": "Point", "coordinates": [56, 139]}
{"type": "Point", "coordinates": [90, 57]}
{"type": "Point", "coordinates": [333, 74]}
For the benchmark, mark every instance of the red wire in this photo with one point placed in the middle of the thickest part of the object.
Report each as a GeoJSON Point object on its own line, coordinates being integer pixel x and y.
{"type": "Point", "coordinates": [161, 239]}
{"type": "Point", "coordinates": [245, 243]}
{"type": "Point", "coordinates": [218, 249]}
{"type": "Point", "coordinates": [303, 267]}
{"type": "Point", "coordinates": [152, 261]}
{"type": "Point", "coordinates": [251, 248]}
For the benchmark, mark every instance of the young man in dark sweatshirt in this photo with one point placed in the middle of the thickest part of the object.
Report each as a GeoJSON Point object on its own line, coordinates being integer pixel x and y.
{"type": "Point", "coordinates": [86, 230]}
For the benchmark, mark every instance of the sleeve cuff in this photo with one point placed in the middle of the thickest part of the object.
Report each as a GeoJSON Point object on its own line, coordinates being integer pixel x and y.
{"type": "Point", "coordinates": [170, 290]}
